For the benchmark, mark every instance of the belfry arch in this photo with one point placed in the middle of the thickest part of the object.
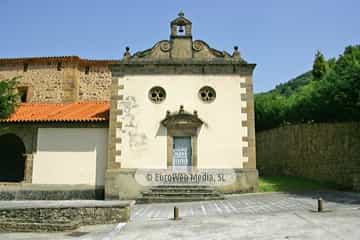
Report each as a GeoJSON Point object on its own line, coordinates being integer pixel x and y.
{"type": "Point", "coordinates": [12, 158]}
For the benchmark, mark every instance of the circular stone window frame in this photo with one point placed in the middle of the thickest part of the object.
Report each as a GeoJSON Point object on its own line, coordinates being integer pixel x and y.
{"type": "Point", "coordinates": [158, 91]}
{"type": "Point", "coordinates": [207, 90]}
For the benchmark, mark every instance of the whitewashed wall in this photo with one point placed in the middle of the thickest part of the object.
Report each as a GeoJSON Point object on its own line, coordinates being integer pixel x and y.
{"type": "Point", "coordinates": [144, 138]}
{"type": "Point", "coordinates": [70, 156]}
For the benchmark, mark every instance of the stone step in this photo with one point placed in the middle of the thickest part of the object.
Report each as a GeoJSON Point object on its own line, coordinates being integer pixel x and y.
{"type": "Point", "coordinates": [184, 186]}
{"type": "Point", "coordinates": [181, 189]}
{"type": "Point", "coordinates": [175, 199]}
{"type": "Point", "coordinates": [179, 193]}
{"type": "Point", "coordinates": [182, 194]}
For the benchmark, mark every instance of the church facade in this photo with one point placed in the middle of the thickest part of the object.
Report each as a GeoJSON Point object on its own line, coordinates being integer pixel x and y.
{"type": "Point", "coordinates": [180, 106]}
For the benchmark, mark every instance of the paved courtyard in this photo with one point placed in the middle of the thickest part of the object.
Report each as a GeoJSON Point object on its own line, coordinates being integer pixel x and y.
{"type": "Point", "coordinates": [248, 216]}
{"type": "Point", "coordinates": [246, 204]}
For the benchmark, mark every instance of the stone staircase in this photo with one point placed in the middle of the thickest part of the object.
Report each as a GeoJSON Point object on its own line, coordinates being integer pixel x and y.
{"type": "Point", "coordinates": [179, 193]}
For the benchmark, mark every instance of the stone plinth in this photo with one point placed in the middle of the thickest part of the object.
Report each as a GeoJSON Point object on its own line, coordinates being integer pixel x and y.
{"type": "Point", "coordinates": [123, 183]}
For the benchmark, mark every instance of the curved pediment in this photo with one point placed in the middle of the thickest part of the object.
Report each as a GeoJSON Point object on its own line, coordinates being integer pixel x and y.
{"type": "Point", "coordinates": [200, 50]}
{"type": "Point", "coordinates": [181, 47]}
{"type": "Point", "coordinates": [181, 119]}
{"type": "Point", "coordinates": [161, 50]}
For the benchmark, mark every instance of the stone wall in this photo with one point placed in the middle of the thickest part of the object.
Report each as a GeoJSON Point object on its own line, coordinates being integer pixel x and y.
{"type": "Point", "coordinates": [44, 81]}
{"type": "Point", "coordinates": [72, 82]}
{"type": "Point", "coordinates": [328, 152]}
{"type": "Point", "coordinates": [53, 216]}
{"type": "Point", "coordinates": [95, 86]}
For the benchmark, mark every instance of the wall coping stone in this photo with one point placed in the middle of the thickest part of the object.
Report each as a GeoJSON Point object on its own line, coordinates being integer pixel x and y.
{"type": "Point", "coordinates": [28, 204]}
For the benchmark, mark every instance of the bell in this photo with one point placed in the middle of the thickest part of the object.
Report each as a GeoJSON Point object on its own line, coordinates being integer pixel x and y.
{"type": "Point", "coordinates": [181, 29]}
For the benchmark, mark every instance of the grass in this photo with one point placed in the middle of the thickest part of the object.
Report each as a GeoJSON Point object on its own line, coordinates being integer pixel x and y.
{"type": "Point", "coordinates": [289, 184]}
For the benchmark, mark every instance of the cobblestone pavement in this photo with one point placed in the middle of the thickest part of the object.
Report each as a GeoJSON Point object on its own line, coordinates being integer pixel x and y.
{"type": "Point", "coordinates": [247, 204]}
{"type": "Point", "coordinates": [246, 216]}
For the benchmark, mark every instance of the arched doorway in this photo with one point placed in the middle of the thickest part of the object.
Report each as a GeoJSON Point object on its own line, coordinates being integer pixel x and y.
{"type": "Point", "coordinates": [12, 159]}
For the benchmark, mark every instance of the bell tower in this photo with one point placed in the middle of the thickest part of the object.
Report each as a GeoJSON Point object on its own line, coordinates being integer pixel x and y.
{"type": "Point", "coordinates": [181, 37]}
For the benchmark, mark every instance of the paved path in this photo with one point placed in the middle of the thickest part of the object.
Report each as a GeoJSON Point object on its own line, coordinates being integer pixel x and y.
{"type": "Point", "coordinates": [247, 204]}
{"type": "Point", "coordinates": [247, 216]}
{"type": "Point", "coordinates": [297, 225]}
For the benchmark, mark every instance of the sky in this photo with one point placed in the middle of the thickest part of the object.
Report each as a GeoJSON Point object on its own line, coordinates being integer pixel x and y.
{"type": "Point", "coordinates": [280, 36]}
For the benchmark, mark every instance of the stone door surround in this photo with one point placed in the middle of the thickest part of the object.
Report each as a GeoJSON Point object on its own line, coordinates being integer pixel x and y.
{"type": "Point", "coordinates": [181, 124]}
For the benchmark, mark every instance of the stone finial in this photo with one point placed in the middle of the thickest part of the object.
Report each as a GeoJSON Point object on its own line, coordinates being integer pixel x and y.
{"type": "Point", "coordinates": [181, 14]}
{"type": "Point", "coordinates": [195, 113]}
{"type": "Point", "coordinates": [127, 53]}
{"type": "Point", "coordinates": [181, 109]}
{"type": "Point", "coordinates": [167, 113]}
{"type": "Point", "coordinates": [236, 53]}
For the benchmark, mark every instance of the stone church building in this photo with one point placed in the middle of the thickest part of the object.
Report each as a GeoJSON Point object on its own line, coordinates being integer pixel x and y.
{"type": "Point", "coordinates": [177, 106]}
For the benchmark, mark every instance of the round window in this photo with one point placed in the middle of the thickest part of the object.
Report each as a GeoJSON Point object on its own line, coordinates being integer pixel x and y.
{"type": "Point", "coordinates": [207, 94]}
{"type": "Point", "coordinates": [157, 94]}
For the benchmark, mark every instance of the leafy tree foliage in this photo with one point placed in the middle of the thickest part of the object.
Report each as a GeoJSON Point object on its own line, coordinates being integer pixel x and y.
{"type": "Point", "coordinates": [333, 97]}
{"type": "Point", "coordinates": [319, 66]}
{"type": "Point", "coordinates": [8, 97]}
{"type": "Point", "coordinates": [292, 86]}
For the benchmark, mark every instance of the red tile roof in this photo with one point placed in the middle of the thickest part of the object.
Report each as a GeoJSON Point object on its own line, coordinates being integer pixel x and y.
{"type": "Point", "coordinates": [61, 112]}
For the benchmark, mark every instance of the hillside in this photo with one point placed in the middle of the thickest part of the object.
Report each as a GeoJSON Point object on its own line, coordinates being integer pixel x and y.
{"type": "Point", "coordinates": [328, 93]}
{"type": "Point", "coordinates": [288, 88]}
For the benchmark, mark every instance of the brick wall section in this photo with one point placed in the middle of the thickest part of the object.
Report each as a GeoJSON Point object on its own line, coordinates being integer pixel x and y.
{"type": "Point", "coordinates": [325, 152]}
{"type": "Point", "coordinates": [47, 84]}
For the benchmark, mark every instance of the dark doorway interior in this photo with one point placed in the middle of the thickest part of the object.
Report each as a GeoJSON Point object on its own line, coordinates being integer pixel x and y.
{"type": "Point", "coordinates": [12, 159]}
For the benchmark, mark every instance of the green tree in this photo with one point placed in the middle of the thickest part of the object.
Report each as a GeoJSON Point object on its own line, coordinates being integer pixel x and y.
{"type": "Point", "coordinates": [335, 98]}
{"type": "Point", "coordinates": [9, 97]}
{"type": "Point", "coordinates": [270, 109]}
{"type": "Point", "coordinates": [319, 66]}
{"type": "Point", "coordinates": [345, 80]}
